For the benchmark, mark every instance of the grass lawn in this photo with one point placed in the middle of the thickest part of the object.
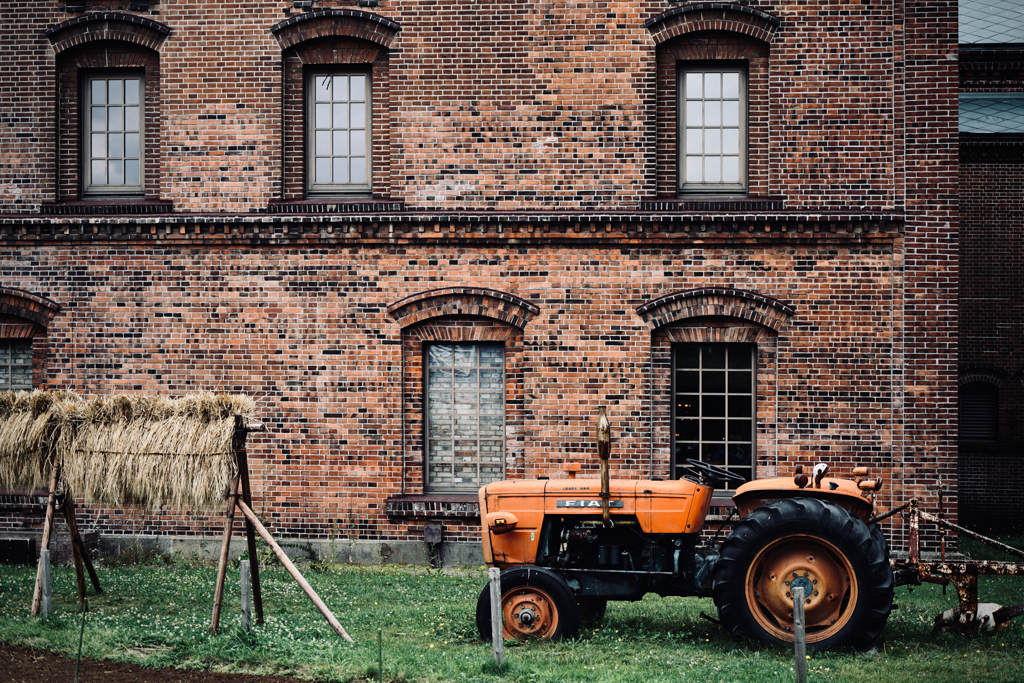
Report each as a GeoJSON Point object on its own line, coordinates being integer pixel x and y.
{"type": "Point", "coordinates": [158, 615]}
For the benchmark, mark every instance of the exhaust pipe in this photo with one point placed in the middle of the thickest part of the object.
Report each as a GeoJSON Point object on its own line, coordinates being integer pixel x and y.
{"type": "Point", "coordinates": [604, 448]}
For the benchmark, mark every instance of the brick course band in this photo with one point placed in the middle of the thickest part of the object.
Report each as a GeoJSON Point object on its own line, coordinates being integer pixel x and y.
{"type": "Point", "coordinates": [463, 301]}
{"type": "Point", "coordinates": [106, 26]}
{"type": "Point", "coordinates": [22, 304]}
{"type": "Point", "coordinates": [714, 301]}
{"type": "Point", "coordinates": [986, 374]}
{"type": "Point", "coordinates": [713, 16]}
{"type": "Point", "coordinates": [335, 22]}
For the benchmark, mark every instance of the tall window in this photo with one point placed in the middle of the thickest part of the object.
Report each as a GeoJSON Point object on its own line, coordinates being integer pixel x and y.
{"type": "Point", "coordinates": [113, 135]}
{"type": "Point", "coordinates": [979, 411]}
{"type": "Point", "coordinates": [465, 415]}
{"type": "Point", "coordinates": [16, 365]}
{"type": "Point", "coordinates": [339, 132]}
{"type": "Point", "coordinates": [713, 130]}
{"type": "Point", "coordinates": [713, 391]}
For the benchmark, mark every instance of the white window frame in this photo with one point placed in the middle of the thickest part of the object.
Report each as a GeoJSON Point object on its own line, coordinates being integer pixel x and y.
{"type": "Point", "coordinates": [678, 392]}
{"type": "Point", "coordinates": [90, 188]}
{"type": "Point", "coordinates": [728, 188]}
{"type": "Point", "coordinates": [455, 487]}
{"type": "Point", "coordinates": [313, 187]}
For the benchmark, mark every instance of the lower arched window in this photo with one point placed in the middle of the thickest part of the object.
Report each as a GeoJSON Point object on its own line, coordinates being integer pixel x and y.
{"type": "Point", "coordinates": [979, 411]}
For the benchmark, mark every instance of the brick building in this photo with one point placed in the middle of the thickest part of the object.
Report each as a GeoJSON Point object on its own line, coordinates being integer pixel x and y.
{"type": "Point", "coordinates": [433, 242]}
{"type": "Point", "coordinates": [991, 243]}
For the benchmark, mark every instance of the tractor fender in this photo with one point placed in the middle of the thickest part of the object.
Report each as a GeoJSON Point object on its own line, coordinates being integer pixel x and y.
{"type": "Point", "coordinates": [842, 492]}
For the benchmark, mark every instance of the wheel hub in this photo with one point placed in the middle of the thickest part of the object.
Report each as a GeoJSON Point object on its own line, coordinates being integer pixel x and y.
{"type": "Point", "coordinates": [529, 612]}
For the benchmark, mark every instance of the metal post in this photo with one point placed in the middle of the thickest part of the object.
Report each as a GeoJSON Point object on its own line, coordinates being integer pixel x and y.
{"type": "Point", "coordinates": [44, 581]}
{"type": "Point", "coordinates": [497, 627]}
{"type": "Point", "coordinates": [243, 568]}
{"type": "Point", "coordinates": [799, 636]}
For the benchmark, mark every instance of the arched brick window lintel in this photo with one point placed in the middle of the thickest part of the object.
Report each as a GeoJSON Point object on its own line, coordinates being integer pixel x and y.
{"type": "Point", "coordinates": [106, 26]}
{"type": "Point", "coordinates": [713, 16]}
{"type": "Point", "coordinates": [716, 302]}
{"type": "Point", "coordinates": [19, 303]}
{"type": "Point", "coordinates": [463, 301]}
{"type": "Point", "coordinates": [336, 22]}
{"type": "Point", "coordinates": [981, 373]}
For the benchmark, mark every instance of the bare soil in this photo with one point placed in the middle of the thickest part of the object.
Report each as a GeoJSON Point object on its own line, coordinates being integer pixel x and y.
{"type": "Point", "coordinates": [25, 665]}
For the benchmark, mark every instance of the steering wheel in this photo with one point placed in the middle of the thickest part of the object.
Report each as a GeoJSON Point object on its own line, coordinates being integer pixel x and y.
{"type": "Point", "coordinates": [711, 473]}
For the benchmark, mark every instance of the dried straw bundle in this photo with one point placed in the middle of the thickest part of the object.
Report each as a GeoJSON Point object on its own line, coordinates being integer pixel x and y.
{"type": "Point", "coordinates": [29, 423]}
{"type": "Point", "coordinates": [140, 450]}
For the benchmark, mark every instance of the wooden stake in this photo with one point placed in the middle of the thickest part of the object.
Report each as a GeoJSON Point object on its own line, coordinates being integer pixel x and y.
{"type": "Point", "coordinates": [286, 561]}
{"type": "Point", "coordinates": [44, 573]}
{"type": "Point", "coordinates": [243, 567]}
{"type": "Point", "coordinates": [51, 504]}
{"type": "Point", "coordinates": [250, 536]}
{"type": "Point", "coordinates": [225, 548]}
{"type": "Point", "coordinates": [799, 636]}
{"type": "Point", "coordinates": [497, 627]}
{"type": "Point", "coordinates": [87, 560]}
{"type": "Point", "coordinates": [76, 551]}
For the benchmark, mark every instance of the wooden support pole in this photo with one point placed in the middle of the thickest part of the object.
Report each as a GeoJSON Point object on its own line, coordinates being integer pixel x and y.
{"type": "Point", "coordinates": [51, 504]}
{"type": "Point", "coordinates": [225, 548]}
{"type": "Point", "coordinates": [87, 560]}
{"type": "Point", "coordinates": [44, 573]}
{"type": "Point", "coordinates": [799, 635]}
{"type": "Point", "coordinates": [286, 561]}
{"type": "Point", "coordinates": [245, 576]}
{"type": "Point", "coordinates": [497, 627]}
{"type": "Point", "coordinates": [250, 536]}
{"type": "Point", "coordinates": [76, 551]}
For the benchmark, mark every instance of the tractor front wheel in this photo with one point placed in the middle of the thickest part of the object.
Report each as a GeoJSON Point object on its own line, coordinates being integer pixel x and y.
{"type": "Point", "coordinates": [814, 545]}
{"type": "Point", "coordinates": [535, 603]}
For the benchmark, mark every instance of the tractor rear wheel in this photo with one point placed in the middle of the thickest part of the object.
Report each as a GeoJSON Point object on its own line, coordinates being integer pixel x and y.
{"type": "Point", "coordinates": [815, 545]}
{"type": "Point", "coordinates": [535, 603]}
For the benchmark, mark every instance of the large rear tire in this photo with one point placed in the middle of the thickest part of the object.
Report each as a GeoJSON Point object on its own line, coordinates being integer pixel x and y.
{"type": "Point", "coordinates": [535, 603]}
{"type": "Point", "coordinates": [819, 546]}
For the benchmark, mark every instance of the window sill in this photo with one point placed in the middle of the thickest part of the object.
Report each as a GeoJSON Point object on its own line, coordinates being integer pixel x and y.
{"type": "Point", "coordinates": [336, 205]}
{"type": "Point", "coordinates": [433, 505]}
{"type": "Point", "coordinates": [712, 203]}
{"type": "Point", "coordinates": [104, 207]}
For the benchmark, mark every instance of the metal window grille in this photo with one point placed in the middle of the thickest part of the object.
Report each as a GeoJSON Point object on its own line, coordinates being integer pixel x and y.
{"type": "Point", "coordinates": [339, 131]}
{"type": "Point", "coordinates": [714, 393]}
{"type": "Point", "coordinates": [113, 135]}
{"type": "Point", "coordinates": [979, 412]}
{"type": "Point", "coordinates": [465, 409]}
{"type": "Point", "coordinates": [16, 365]}
{"type": "Point", "coordinates": [713, 117]}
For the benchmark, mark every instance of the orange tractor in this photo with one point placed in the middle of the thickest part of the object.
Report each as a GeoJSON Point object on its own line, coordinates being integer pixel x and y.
{"type": "Point", "coordinates": [567, 546]}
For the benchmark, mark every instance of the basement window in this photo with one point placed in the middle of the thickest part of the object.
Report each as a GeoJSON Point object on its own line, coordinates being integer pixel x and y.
{"type": "Point", "coordinates": [979, 412]}
{"type": "Point", "coordinates": [16, 365]}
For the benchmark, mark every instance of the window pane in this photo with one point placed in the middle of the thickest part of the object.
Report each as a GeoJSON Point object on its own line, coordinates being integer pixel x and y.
{"type": "Point", "coordinates": [713, 406]}
{"type": "Point", "coordinates": [99, 172]}
{"type": "Point", "coordinates": [712, 356]}
{"type": "Point", "coordinates": [340, 142]}
{"type": "Point", "coordinates": [713, 381]}
{"type": "Point", "coordinates": [5, 378]}
{"type": "Point", "coordinates": [322, 88]}
{"type": "Point", "coordinates": [714, 430]}
{"type": "Point", "coordinates": [688, 406]}
{"type": "Point", "coordinates": [731, 141]}
{"type": "Point", "coordinates": [465, 378]}
{"type": "Point", "coordinates": [131, 172]}
{"type": "Point", "coordinates": [739, 382]}
{"type": "Point", "coordinates": [358, 170]}
{"type": "Point", "coordinates": [131, 145]}
{"type": "Point", "coordinates": [115, 91]}
{"type": "Point", "coordinates": [465, 355]}
{"type": "Point", "coordinates": [713, 169]}
{"type": "Point", "coordinates": [713, 453]}
{"type": "Point", "coordinates": [739, 430]}
{"type": "Point", "coordinates": [323, 143]}
{"type": "Point", "coordinates": [713, 141]}
{"type": "Point", "coordinates": [115, 118]}
{"type": "Point", "coordinates": [99, 118]}
{"type": "Point", "coordinates": [730, 169]}
{"type": "Point", "coordinates": [116, 146]}
{"type": "Point", "coordinates": [739, 406]}
{"type": "Point", "coordinates": [739, 454]}
{"type": "Point", "coordinates": [340, 170]}
{"type": "Point", "coordinates": [492, 356]}
{"type": "Point", "coordinates": [340, 88]}
{"type": "Point", "coordinates": [131, 118]}
{"type": "Point", "coordinates": [491, 378]}
{"type": "Point", "coordinates": [694, 141]}
{"type": "Point", "coordinates": [115, 172]}
{"type": "Point", "coordinates": [694, 113]}
{"type": "Point", "coordinates": [730, 113]}
{"type": "Point", "coordinates": [713, 86]}
{"type": "Point", "coordinates": [21, 353]}
{"type": "Point", "coordinates": [358, 142]}
{"type": "Point", "coordinates": [358, 114]}
{"type": "Point", "coordinates": [131, 91]}
{"type": "Point", "coordinates": [693, 85]}
{"type": "Point", "coordinates": [440, 378]}
{"type": "Point", "coordinates": [341, 115]}
{"type": "Point", "coordinates": [323, 116]}
{"type": "Point", "coordinates": [689, 430]}
{"type": "Point", "coordinates": [438, 355]}
{"type": "Point", "coordinates": [694, 169]}
{"type": "Point", "coordinates": [323, 170]}
{"type": "Point", "coordinates": [688, 356]}
{"type": "Point", "coordinates": [99, 91]}
{"type": "Point", "coordinates": [712, 113]}
{"type": "Point", "coordinates": [731, 85]}
{"type": "Point", "coordinates": [99, 145]}
{"type": "Point", "coordinates": [688, 381]}
{"type": "Point", "coordinates": [358, 84]}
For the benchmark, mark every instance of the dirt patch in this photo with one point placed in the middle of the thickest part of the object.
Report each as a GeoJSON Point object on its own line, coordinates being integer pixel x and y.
{"type": "Point", "coordinates": [25, 665]}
